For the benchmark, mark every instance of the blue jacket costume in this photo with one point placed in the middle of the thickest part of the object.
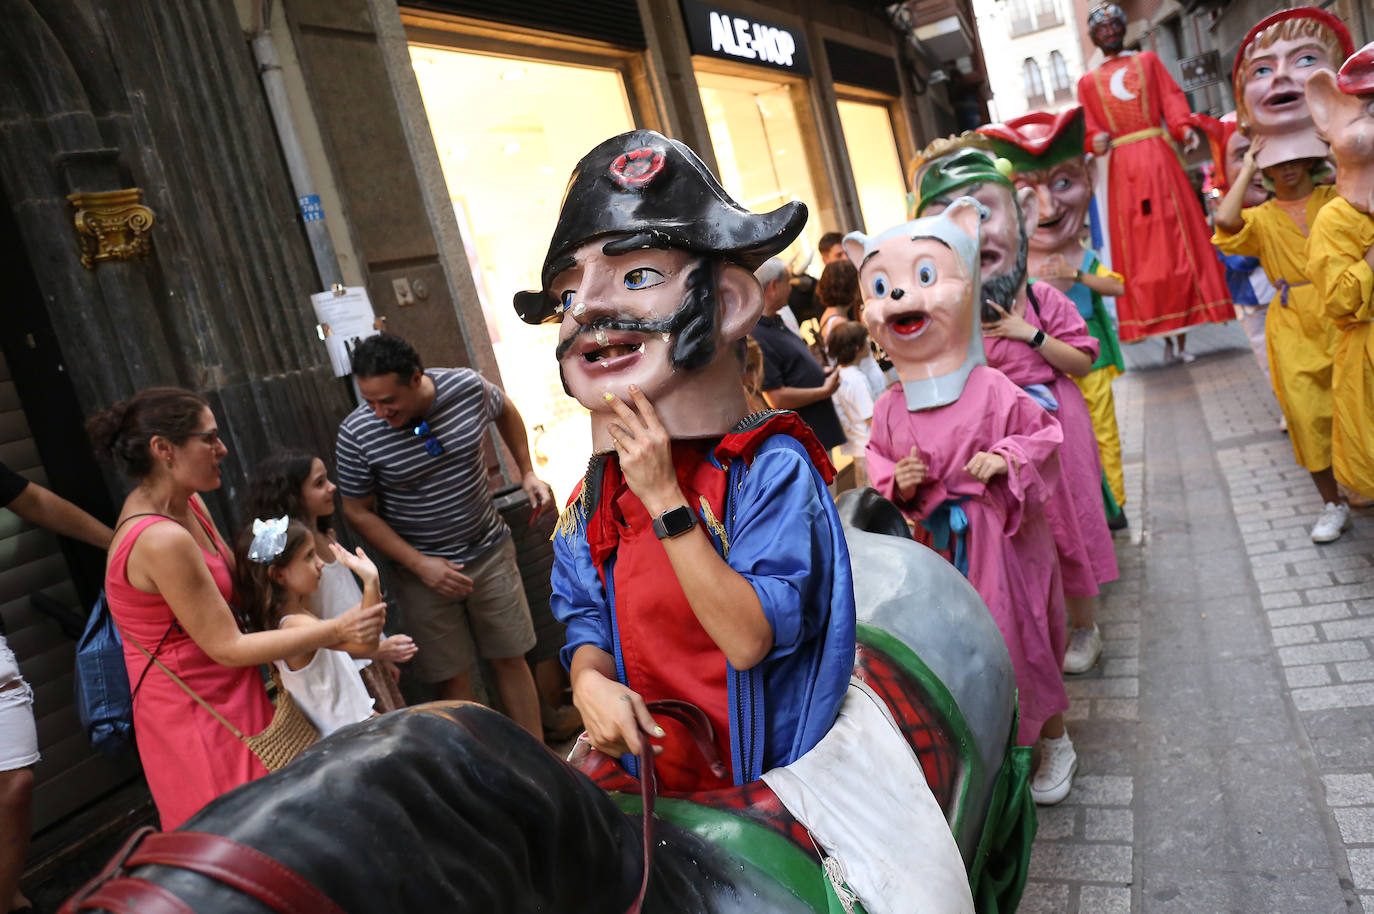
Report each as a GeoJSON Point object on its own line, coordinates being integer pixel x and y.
{"type": "Point", "coordinates": [782, 534]}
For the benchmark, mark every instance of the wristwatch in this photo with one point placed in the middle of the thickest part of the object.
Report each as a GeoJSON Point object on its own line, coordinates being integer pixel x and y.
{"type": "Point", "coordinates": [1038, 340]}
{"type": "Point", "coordinates": [674, 522]}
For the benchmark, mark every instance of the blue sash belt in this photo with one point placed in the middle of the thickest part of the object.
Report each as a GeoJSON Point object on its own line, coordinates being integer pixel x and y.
{"type": "Point", "coordinates": [1040, 393]}
{"type": "Point", "coordinates": [1283, 287]}
{"type": "Point", "coordinates": [946, 522]}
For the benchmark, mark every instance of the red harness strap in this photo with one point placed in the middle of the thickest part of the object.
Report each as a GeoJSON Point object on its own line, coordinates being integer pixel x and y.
{"type": "Point", "coordinates": [699, 726]}
{"type": "Point", "coordinates": [129, 895]}
{"type": "Point", "coordinates": [236, 865]}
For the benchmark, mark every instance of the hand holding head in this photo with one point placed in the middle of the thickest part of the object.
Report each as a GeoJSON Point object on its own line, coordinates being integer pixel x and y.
{"type": "Point", "coordinates": [649, 275]}
{"type": "Point", "coordinates": [1342, 106]}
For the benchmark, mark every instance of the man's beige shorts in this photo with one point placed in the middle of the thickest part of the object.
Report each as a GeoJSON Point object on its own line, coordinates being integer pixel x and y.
{"type": "Point", "coordinates": [449, 631]}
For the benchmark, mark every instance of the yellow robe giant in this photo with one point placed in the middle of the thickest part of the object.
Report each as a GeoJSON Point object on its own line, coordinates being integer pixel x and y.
{"type": "Point", "coordinates": [1299, 336]}
{"type": "Point", "coordinates": [1336, 249]}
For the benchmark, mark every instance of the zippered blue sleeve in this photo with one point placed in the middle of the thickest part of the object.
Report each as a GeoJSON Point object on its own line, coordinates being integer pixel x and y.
{"type": "Point", "coordinates": [780, 541]}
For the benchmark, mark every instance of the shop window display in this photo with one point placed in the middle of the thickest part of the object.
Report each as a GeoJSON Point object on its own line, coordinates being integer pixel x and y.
{"type": "Point", "coordinates": [875, 162]}
{"type": "Point", "coordinates": [757, 137]}
{"type": "Point", "coordinates": [493, 117]}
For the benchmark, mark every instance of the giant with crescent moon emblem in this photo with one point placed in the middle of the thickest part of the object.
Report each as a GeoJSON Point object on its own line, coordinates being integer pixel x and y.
{"type": "Point", "coordinates": [1159, 238]}
{"type": "Point", "coordinates": [1118, 85]}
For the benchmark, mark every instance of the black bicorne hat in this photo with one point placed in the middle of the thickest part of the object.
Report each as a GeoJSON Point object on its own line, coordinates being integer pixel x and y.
{"type": "Point", "coordinates": [642, 183]}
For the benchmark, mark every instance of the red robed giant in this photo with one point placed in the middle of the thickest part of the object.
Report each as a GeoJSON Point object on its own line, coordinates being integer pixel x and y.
{"type": "Point", "coordinates": [1160, 241]}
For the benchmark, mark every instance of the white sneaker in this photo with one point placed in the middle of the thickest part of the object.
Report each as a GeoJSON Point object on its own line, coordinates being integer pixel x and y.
{"type": "Point", "coordinates": [1054, 778]}
{"type": "Point", "coordinates": [1334, 520]}
{"type": "Point", "coordinates": [1085, 646]}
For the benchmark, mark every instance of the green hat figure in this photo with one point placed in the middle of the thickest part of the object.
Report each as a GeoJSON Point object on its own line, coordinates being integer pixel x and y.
{"type": "Point", "coordinates": [943, 176]}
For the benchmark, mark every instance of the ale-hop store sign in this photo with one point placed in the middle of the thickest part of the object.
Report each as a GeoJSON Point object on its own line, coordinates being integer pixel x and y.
{"type": "Point", "coordinates": [714, 32]}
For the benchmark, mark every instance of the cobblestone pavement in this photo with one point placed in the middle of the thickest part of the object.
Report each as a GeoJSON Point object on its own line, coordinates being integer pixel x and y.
{"type": "Point", "coordinates": [1226, 738]}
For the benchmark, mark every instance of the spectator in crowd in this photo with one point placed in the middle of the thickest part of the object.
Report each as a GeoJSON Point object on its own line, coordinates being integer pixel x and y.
{"type": "Point", "coordinates": [803, 302]}
{"type": "Point", "coordinates": [18, 733]}
{"type": "Point", "coordinates": [168, 580]}
{"type": "Point", "coordinates": [414, 485]}
{"type": "Point", "coordinates": [296, 484]}
{"type": "Point", "coordinates": [832, 251]}
{"type": "Point", "coordinates": [839, 289]}
{"type": "Point", "coordinates": [839, 294]}
{"type": "Point", "coordinates": [792, 378]}
{"type": "Point", "coordinates": [848, 345]}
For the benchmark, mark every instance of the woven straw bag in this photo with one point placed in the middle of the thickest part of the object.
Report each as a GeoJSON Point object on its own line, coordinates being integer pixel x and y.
{"type": "Point", "coordinates": [288, 734]}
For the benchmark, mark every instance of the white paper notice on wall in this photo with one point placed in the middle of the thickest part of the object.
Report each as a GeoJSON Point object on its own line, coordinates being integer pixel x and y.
{"type": "Point", "coordinates": [345, 316]}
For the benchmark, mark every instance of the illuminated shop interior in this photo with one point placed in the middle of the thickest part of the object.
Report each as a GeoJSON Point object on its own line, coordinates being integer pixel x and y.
{"type": "Point", "coordinates": [758, 142]}
{"type": "Point", "coordinates": [509, 132]}
{"type": "Point", "coordinates": [875, 162]}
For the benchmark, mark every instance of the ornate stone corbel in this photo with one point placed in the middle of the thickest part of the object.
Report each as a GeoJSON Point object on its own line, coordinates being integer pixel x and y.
{"type": "Point", "coordinates": [112, 225]}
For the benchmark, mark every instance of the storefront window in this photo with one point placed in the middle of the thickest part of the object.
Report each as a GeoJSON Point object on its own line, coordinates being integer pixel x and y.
{"type": "Point", "coordinates": [876, 164]}
{"type": "Point", "coordinates": [758, 144]}
{"type": "Point", "coordinates": [509, 132]}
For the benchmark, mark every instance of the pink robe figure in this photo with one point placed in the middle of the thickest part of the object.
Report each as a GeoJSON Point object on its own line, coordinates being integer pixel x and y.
{"type": "Point", "coordinates": [1011, 554]}
{"type": "Point", "coordinates": [1087, 556]}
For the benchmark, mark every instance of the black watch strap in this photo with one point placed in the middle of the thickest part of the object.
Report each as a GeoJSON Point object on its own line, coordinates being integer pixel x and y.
{"type": "Point", "coordinates": [1038, 340]}
{"type": "Point", "coordinates": [674, 522]}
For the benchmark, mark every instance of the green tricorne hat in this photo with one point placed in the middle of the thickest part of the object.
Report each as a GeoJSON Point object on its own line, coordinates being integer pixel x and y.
{"type": "Point", "coordinates": [959, 169]}
{"type": "Point", "coordinates": [1038, 140]}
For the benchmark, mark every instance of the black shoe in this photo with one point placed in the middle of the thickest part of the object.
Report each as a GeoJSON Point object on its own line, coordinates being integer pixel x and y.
{"type": "Point", "coordinates": [1117, 522]}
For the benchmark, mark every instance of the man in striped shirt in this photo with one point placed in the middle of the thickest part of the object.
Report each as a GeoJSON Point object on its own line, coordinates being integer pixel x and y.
{"type": "Point", "coordinates": [414, 485]}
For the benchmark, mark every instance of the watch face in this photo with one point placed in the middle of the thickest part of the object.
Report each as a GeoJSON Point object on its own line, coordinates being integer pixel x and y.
{"type": "Point", "coordinates": [676, 521]}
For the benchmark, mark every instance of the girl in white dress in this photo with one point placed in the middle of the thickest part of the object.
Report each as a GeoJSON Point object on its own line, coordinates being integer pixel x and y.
{"type": "Point", "coordinates": [297, 484]}
{"type": "Point", "coordinates": [279, 571]}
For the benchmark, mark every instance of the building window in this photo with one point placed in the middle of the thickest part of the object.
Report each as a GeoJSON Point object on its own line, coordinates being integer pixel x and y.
{"type": "Point", "coordinates": [1046, 13]}
{"type": "Point", "coordinates": [1019, 14]}
{"type": "Point", "coordinates": [759, 128]}
{"type": "Point", "coordinates": [1034, 84]}
{"type": "Point", "coordinates": [509, 131]}
{"type": "Point", "coordinates": [1059, 75]}
{"type": "Point", "coordinates": [874, 161]}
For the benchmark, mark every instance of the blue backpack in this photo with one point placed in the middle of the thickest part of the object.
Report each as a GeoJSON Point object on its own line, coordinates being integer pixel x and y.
{"type": "Point", "coordinates": [103, 698]}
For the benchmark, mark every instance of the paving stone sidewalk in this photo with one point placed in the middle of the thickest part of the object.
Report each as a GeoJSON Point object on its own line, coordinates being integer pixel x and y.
{"type": "Point", "coordinates": [1226, 738]}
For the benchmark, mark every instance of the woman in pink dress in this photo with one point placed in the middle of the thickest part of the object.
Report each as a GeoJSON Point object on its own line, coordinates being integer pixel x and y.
{"type": "Point", "coordinates": [168, 580]}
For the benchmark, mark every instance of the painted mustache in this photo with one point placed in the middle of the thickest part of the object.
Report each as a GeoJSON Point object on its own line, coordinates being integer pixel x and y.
{"type": "Point", "coordinates": [670, 324]}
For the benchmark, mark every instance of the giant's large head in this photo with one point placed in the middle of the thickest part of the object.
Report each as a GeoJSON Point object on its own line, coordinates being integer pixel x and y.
{"type": "Point", "coordinates": [650, 275]}
{"type": "Point", "coordinates": [1343, 107]}
{"type": "Point", "coordinates": [1272, 66]}
{"type": "Point", "coordinates": [919, 282]}
{"type": "Point", "coordinates": [1046, 155]}
{"type": "Point", "coordinates": [1107, 27]}
{"type": "Point", "coordinates": [1009, 214]}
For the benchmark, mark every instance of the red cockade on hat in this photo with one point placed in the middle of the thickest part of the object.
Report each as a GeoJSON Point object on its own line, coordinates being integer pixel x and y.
{"type": "Point", "coordinates": [1356, 76]}
{"type": "Point", "coordinates": [636, 168]}
{"type": "Point", "coordinates": [1033, 132]}
{"type": "Point", "coordinates": [1297, 12]}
